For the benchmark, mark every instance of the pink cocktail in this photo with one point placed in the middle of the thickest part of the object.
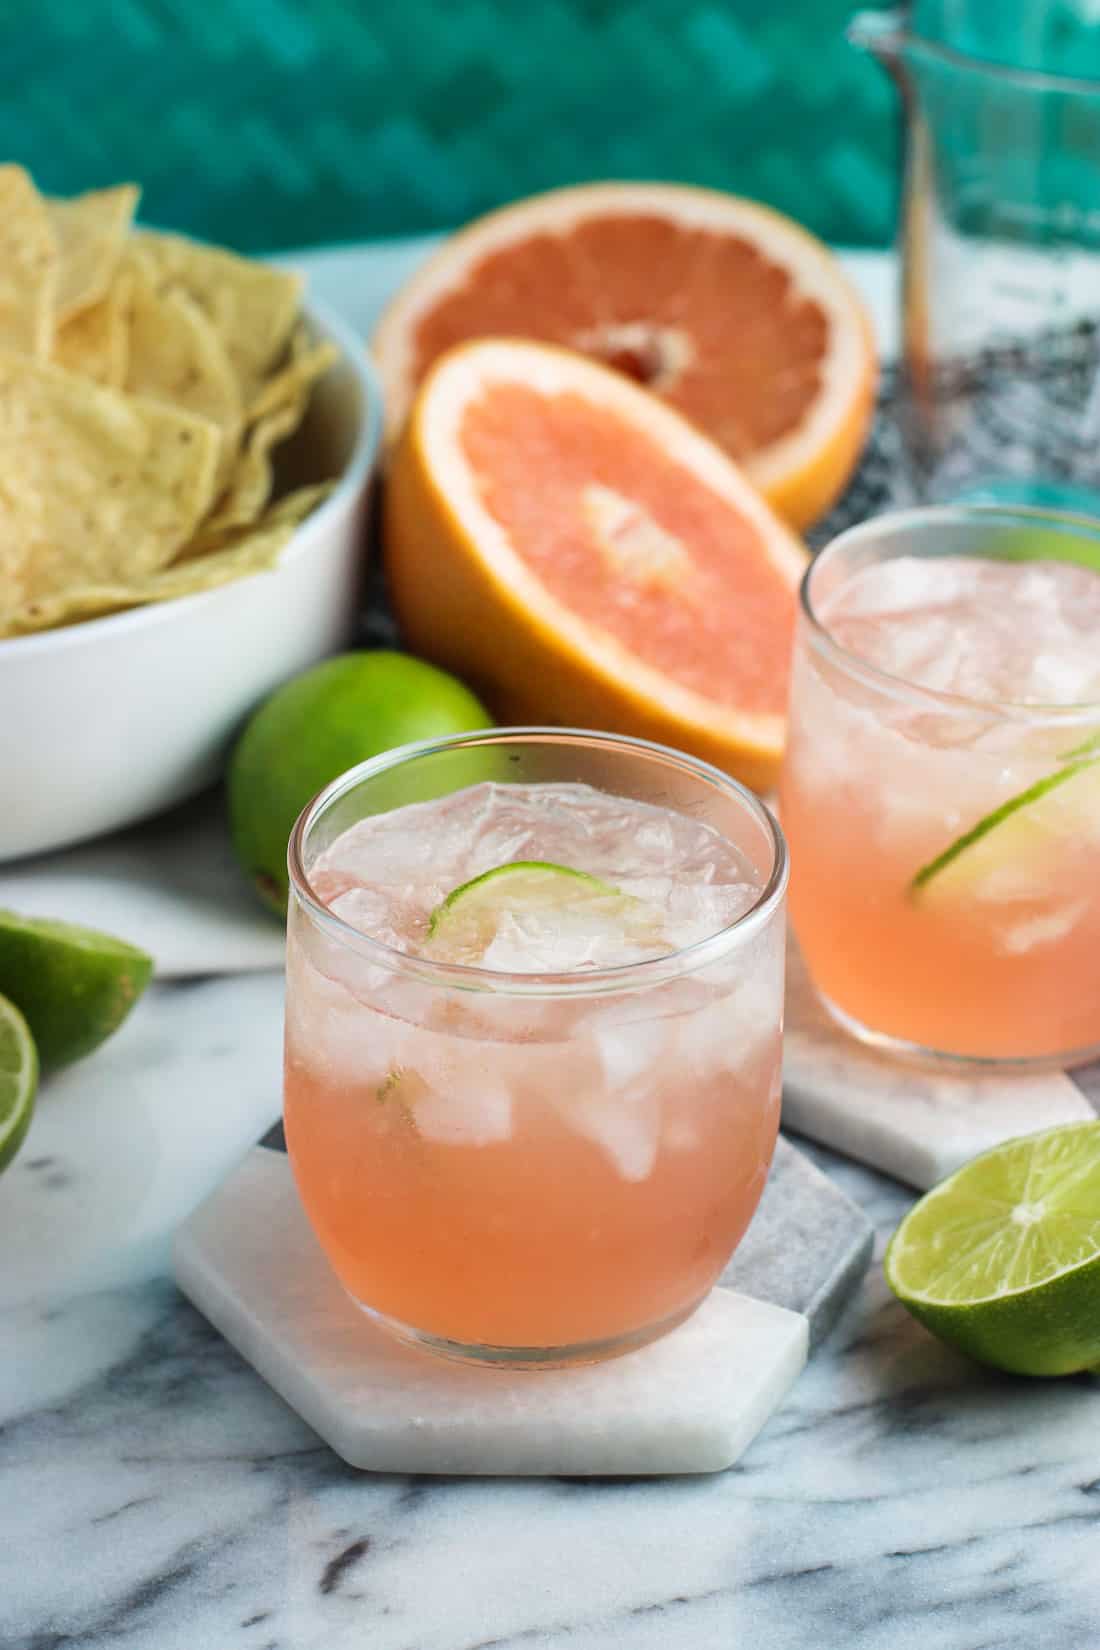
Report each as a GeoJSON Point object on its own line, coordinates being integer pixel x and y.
{"type": "Point", "coordinates": [530, 1121]}
{"type": "Point", "coordinates": [941, 793]}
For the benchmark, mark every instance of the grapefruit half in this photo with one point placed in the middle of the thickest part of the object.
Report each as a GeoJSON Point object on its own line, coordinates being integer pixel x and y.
{"type": "Point", "coordinates": [725, 309]}
{"type": "Point", "coordinates": [581, 554]}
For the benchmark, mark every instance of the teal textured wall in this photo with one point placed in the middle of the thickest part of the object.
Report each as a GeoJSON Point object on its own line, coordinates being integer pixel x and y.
{"type": "Point", "coordinates": [266, 123]}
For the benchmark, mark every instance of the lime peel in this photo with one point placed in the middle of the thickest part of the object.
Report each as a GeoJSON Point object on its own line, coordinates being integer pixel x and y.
{"type": "Point", "coordinates": [528, 872]}
{"type": "Point", "coordinates": [1034, 793]}
{"type": "Point", "coordinates": [18, 1080]}
{"type": "Point", "coordinates": [468, 916]}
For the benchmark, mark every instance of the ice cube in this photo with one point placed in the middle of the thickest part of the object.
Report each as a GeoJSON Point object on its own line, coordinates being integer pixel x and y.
{"type": "Point", "coordinates": [500, 1017]}
{"type": "Point", "coordinates": [952, 624]}
{"type": "Point", "coordinates": [386, 874]}
{"type": "Point", "coordinates": [358, 975]}
{"type": "Point", "coordinates": [628, 1049]}
{"type": "Point", "coordinates": [625, 1125]}
{"type": "Point", "coordinates": [355, 1046]}
{"type": "Point", "coordinates": [367, 910]}
{"type": "Point", "coordinates": [1020, 937]}
{"type": "Point", "coordinates": [695, 912]}
{"type": "Point", "coordinates": [463, 1114]}
{"type": "Point", "coordinates": [462, 1096]}
{"type": "Point", "coordinates": [731, 1032]}
{"type": "Point", "coordinates": [1062, 678]}
{"type": "Point", "coordinates": [563, 941]}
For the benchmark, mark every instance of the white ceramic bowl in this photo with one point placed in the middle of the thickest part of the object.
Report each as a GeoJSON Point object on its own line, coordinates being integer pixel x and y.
{"type": "Point", "coordinates": [104, 723]}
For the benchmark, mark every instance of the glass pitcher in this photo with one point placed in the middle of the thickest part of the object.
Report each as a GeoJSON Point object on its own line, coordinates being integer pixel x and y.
{"type": "Point", "coordinates": [1000, 244]}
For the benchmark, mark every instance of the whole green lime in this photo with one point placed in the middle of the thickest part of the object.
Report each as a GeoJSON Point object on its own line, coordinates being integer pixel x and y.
{"type": "Point", "coordinates": [314, 728]}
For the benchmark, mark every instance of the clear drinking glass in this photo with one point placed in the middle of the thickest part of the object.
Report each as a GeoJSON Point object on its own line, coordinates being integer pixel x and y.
{"type": "Point", "coordinates": [990, 954]}
{"type": "Point", "coordinates": [527, 1168]}
{"type": "Point", "coordinates": [1000, 244]}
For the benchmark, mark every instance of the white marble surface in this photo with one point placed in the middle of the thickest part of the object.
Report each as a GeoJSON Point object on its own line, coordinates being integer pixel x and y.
{"type": "Point", "coordinates": [170, 885]}
{"type": "Point", "coordinates": [156, 1495]}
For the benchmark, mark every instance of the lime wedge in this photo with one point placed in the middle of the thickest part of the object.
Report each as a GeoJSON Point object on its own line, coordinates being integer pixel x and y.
{"type": "Point", "coordinates": [463, 925]}
{"type": "Point", "coordinates": [1003, 1258]}
{"type": "Point", "coordinates": [1037, 822]}
{"type": "Point", "coordinates": [74, 986]}
{"type": "Point", "coordinates": [18, 1080]}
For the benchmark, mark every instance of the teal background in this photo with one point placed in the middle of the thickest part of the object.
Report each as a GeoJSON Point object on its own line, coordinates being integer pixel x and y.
{"type": "Point", "coordinates": [275, 123]}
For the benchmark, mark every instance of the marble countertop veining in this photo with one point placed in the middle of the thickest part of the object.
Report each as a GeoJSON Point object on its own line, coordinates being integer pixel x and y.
{"type": "Point", "coordinates": [157, 1496]}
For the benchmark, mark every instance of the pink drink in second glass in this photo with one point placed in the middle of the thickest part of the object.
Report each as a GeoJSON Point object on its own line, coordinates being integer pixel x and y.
{"type": "Point", "coordinates": [982, 672]}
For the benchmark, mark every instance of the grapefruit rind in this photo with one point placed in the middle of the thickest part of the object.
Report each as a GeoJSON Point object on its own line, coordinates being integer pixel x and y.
{"type": "Point", "coordinates": [803, 472]}
{"type": "Point", "coordinates": [466, 599]}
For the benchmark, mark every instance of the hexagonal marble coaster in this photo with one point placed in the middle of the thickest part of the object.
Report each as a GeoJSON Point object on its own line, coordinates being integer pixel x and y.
{"type": "Point", "coordinates": [689, 1403]}
{"type": "Point", "coordinates": [915, 1124]}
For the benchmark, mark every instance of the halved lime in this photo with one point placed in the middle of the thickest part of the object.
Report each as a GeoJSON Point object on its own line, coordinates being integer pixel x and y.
{"type": "Point", "coordinates": [1024, 829]}
{"type": "Point", "coordinates": [463, 925]}
{"type": "Point", "coordinates": [74, 986]}
{"type": "Point", "coordinates": [1003, 1258]}
{"type": "Point", "coordinates": [18, 1080]}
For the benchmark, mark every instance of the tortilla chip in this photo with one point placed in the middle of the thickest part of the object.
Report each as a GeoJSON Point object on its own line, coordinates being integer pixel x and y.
{"type": "Point", "coordinates": [251, 306]}
{"type": "Point", "coordinates": [28, 266]}
{"type": "Point", "coordinates": [94, 485]}
{"type": "Point", "coordinates": [293, 508]}
{"type": "Point", "coordinates": [290, 386]}
{"type": "Point", "coordinates": [175, 354]}
{"type": "Point", "coordinates": [96, 343]}
{"type": "Point", "coordinates": [251, 480]}
{"type": "Point", "coordinates": [282, 403]}
{"type": "Point", "coordinates": [220, 532]}
{"type": "Point", "coordinates": [91, 231]}
{"type": "Point", "coordinates": [255, 554]}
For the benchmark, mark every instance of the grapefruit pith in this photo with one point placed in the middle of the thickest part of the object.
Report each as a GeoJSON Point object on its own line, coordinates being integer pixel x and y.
{"type": "Point", "coordinates": [725, 309]}
{"type": "Point", "coordinates": [582, 554]}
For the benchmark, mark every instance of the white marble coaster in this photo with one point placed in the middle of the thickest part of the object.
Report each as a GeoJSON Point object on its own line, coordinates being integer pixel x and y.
{"type": "Point", "coordinates": [690, 1403]}
{"type": "Point", "coordinates": [914, 1124]}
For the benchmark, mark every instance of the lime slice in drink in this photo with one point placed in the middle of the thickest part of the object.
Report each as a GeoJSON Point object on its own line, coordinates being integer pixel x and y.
{"type": "Point", "coordinates": [74, 986]}
{"type": "Point", "coordinates": [540, 898]}
{"type": "Point", "coordinates": [1003, 1258]}
{"type": "Point", "coordinates": [1022, 831]}
{"type": "Point", "coordinates": [18, 1080]}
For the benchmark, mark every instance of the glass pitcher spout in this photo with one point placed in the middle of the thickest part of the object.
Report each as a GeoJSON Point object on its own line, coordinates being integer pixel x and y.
{"type": "Point", "coordinates": [965, 46]}
{"type": "Point", "coordinates": [883, 34]}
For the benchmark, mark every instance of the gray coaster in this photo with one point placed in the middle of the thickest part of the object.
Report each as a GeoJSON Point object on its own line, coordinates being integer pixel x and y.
{"type": "Point", "coordinates": [917, 1125]}
{"type": "Point", "coordinates": [808, 1246]}
{"type": "Point", "coordinates": [692, 1402]}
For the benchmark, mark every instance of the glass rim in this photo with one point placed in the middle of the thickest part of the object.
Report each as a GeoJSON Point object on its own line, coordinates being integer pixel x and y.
{"type": "Point", "coordinates": [891, 522]}
{"type": "Point", "coordinates": [594, 982]}
{"type": "Point", "coordinates": [907, 41]}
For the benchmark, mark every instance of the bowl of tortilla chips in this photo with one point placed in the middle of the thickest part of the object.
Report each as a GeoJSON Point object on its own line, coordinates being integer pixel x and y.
{"type": "Point", "coordinates": [186, 448]}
